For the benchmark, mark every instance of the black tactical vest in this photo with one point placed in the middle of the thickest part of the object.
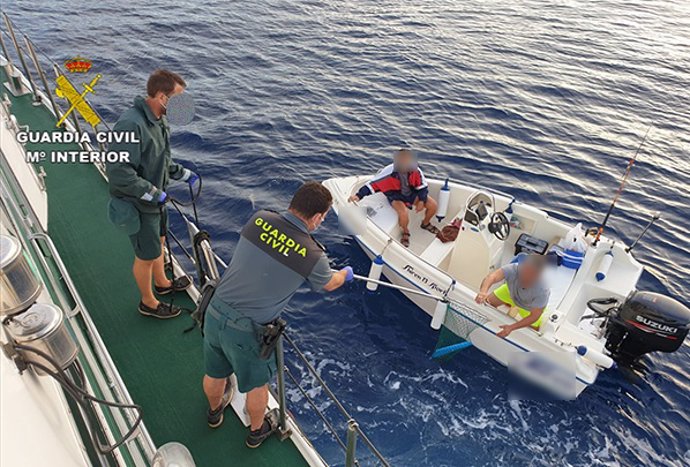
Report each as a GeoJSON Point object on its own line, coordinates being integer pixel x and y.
{"type": "Point", "coordinates": [283, 241]}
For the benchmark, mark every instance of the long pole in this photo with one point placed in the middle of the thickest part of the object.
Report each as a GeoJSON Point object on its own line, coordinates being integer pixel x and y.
{"type": "Point", "coordinates": [399, 287]}
{"type": "Point", "coordinates": [620, 189]}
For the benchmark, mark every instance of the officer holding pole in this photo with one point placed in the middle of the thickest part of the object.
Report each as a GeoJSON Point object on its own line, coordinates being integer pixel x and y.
{"type": "Point", "coordinates": [137, 189]}
{"type": "Point", "coordinates": [275, 255]}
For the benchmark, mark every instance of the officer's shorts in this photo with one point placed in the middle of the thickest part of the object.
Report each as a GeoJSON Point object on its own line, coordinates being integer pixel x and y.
{"type": "Point", "coordinates": [147, 241]}
{"type": "Point", "coordinates": [229, 350]}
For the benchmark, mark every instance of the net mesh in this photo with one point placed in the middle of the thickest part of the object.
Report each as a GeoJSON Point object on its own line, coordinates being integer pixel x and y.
{"type": "Point", "coordinates": [459, 323]}
{"type": "Point", "coordinates": [462, 319]}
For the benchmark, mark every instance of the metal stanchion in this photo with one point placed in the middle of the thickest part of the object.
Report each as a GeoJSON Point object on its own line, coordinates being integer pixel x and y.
{"type": "Point", "coordinates": [350, 458]}
{"type": "Point", "coordinates": [42, 75]}
{"type": "Point", "coordinates": [283, 430]}
{"type": "Point", "coordinates": [37, 98]}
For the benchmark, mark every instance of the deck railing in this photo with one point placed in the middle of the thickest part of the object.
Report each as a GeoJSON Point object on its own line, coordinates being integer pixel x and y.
{"type": "Point", "coordinates": [112, 383]}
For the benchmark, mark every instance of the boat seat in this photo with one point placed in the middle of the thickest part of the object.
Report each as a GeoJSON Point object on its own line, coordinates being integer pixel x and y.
{"type": "Point", "coordinates": [437, 251]}
{"type": "Point", "coordinates": [380, 211]}
{"type": "Point", "coordinates": [558, 280]}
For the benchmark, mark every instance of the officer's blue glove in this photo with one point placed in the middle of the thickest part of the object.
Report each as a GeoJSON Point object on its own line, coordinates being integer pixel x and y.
{"type": "Point", "coordinates": [162, 198]}
{"type": "Point", "coordinates": [189, 177]}
{"type": "Point", "coordinates": [350, 274]}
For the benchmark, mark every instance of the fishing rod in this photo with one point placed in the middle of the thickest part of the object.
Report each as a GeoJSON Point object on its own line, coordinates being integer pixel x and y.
{"type": "Point", "coordinates": [600, 230]}
{"type": "Point", "coordinates": [654, 218]}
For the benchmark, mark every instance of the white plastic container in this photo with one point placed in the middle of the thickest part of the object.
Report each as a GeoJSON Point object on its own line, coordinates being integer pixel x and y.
{"type": "Point", "coordinates": [596, 357]}
{"type": "Point", "coordinates": [375, 273]}
{"type": "Point", "coordinates": [443, 200]}
{"type": "Point", "coordinates": [604, 266]}
{"type": "Point", "coordinates": [439, 315]}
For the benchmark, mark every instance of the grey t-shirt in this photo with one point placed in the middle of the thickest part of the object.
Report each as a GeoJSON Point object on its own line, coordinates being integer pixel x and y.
{"type": "Point", "coordinates": [257, 286]}
{"type": "Point", "coordinates": [530, 298]}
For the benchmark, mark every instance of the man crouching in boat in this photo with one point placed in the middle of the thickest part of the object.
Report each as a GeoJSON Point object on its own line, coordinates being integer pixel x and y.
{"type": "Point", "coordinates": [275, 255]}
{"type": "Point", "coordinates": [523, 289]}
{"type": "Point", "coordinates": [404, 185]}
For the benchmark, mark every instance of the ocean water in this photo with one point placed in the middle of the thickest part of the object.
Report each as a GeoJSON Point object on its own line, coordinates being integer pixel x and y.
{"type": "Point", "coordinates": [545, 99]}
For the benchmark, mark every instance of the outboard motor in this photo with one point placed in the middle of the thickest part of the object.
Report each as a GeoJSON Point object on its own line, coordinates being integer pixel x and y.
{"type": "Point", "coordinates": [646, 322]}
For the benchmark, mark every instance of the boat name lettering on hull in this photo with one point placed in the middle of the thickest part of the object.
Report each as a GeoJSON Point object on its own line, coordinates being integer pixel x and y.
{"type": "Point", "coordinates": [408, 268]}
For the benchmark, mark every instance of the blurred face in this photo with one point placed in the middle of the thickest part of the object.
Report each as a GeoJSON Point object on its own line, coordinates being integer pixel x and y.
{"type": "Point", "coordinates": [163, 98]}
{"type": "Point", "coordinates": [528, 274]}
{"type": "Point", "coordinates": [405, 161]}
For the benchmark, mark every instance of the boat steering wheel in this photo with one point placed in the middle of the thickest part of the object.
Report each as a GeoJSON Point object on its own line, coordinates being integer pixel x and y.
{"type": "Point", "coordinates": [499, 225]}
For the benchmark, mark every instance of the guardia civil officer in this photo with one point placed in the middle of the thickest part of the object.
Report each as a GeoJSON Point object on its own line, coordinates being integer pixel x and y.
{"type": "Point", "coordinates": [137, 189]}
{"type": "Point", "coordinates": [275, 255]}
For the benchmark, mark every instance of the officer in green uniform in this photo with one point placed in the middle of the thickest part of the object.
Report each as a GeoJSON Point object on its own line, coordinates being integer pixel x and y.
{"type": "Point", "coordinates": [275, 255]}
{"type": "Point", "coordinates": [137, 189]}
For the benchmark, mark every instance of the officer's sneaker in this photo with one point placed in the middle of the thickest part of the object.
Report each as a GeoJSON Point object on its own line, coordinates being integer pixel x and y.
{"type": "Point", "coordinates": [256, 437]}
{"type": "Point", "coordinates": [162, 311]}
{"type": "Point", "coordinates": [215, 417]}
{"type": "Point", "coordinates": [178, 285]}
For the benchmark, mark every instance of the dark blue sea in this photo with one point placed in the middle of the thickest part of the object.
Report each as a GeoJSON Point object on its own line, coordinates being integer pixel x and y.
{"type": "Point", "coordinates": [545, 99]}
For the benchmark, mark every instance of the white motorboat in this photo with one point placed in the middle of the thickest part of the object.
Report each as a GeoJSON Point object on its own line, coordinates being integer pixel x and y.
{"type": "Point", "coordinates": [577, 337]}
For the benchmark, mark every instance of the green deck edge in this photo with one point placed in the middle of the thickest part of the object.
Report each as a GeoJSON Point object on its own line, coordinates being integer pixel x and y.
{"type": "Point", "coordinates": [161, 366]}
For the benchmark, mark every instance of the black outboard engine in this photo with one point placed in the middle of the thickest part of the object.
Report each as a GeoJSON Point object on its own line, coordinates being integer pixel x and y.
{"type": "Point", "coordinates": [646, 322]}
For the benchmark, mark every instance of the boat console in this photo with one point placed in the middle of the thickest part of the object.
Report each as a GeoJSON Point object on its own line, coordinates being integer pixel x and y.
{"type": "Point", "coordinates": [480, 243]}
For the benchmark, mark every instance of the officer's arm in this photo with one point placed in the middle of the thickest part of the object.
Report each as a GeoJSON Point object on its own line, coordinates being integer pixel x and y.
{"type": "Point", "coordinates": [123, 175]}
{"type": "Point", "coordinates": [337, 280]}
{"type": "Point", "coordinates": [533, 317]}
{"type": "Point", "coordinates": [323, 278]}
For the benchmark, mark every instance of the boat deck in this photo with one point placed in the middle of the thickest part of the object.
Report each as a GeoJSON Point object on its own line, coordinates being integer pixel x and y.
{"type": "Point", "coordinates": [161, 366]}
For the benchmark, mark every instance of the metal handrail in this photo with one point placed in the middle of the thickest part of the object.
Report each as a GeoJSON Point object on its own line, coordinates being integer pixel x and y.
{"type": "Point", "coordinates": [354, 432]}
{"type": "Point", "coordinates": [115, 383]}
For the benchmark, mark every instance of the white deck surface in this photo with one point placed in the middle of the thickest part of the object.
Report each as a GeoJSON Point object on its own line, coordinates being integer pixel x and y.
{"type": "Point", "coordinates": [35, 430]}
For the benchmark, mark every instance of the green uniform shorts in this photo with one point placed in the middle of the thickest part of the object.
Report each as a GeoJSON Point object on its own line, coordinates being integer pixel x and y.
{"type": "Point", "coordinates": [232, 345]}
{"type": "Point", "coordinates": [147, 241]}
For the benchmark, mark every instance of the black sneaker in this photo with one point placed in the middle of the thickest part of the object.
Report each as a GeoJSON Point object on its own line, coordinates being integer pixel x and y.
{"type": "Point", "coordinates": [215, 417]}
{"type": "Point", "coordinates": [256, 437]}
{"type": "Point", "coordinates": [178, 285]}
{"type": "Point", "coordinates": [163, 311]}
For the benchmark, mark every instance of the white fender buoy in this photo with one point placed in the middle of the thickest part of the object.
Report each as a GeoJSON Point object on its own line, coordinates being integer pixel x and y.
{"type": "Point", "coordinates": [439, 315]}
{"type": "Point", "coordinates": [375, 273]}
{"type": "Point", "coordinates": [604, 266]}
{"type": "Point", "coordinates": [596, 357]}
{"type": "Point", "coordinates": [443, 200]}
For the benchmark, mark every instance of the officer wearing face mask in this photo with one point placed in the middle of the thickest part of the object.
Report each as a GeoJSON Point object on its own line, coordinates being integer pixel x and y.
{"type": "Point", "coordinates": [275, 255]}
{"type": "Point", "coordinates": [137, 189]}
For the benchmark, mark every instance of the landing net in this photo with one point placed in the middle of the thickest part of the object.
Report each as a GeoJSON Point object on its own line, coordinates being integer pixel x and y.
{"type": "Point", "coordinates": [462, 319]}
{"type": "Point", "coordinates": [459, 323]}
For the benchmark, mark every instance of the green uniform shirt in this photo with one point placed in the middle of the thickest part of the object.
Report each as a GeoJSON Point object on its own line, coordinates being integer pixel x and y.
{"type": "Point", "coordinates": [150, 166]}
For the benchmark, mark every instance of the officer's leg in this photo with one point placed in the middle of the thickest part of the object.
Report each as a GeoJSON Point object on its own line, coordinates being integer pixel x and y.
{"type": "Point", "coordinates": [159, 277]}
{"type": "Point", "coordinates": [214, 389]}
{"type": "Point", "coordinates": [257, 401]}
{"type": "Point", "coordinates": [142, 275]}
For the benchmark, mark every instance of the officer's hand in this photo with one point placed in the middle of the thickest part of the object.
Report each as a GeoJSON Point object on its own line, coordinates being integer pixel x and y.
{"type": "Point", "coordinates": [189, 177]}
{"type": "Point", "coordinates": [349, 273]}
{"type": "Point", "coordinates": [163, 198]}
{"type": "Point", "coordinates": [353, 198]}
